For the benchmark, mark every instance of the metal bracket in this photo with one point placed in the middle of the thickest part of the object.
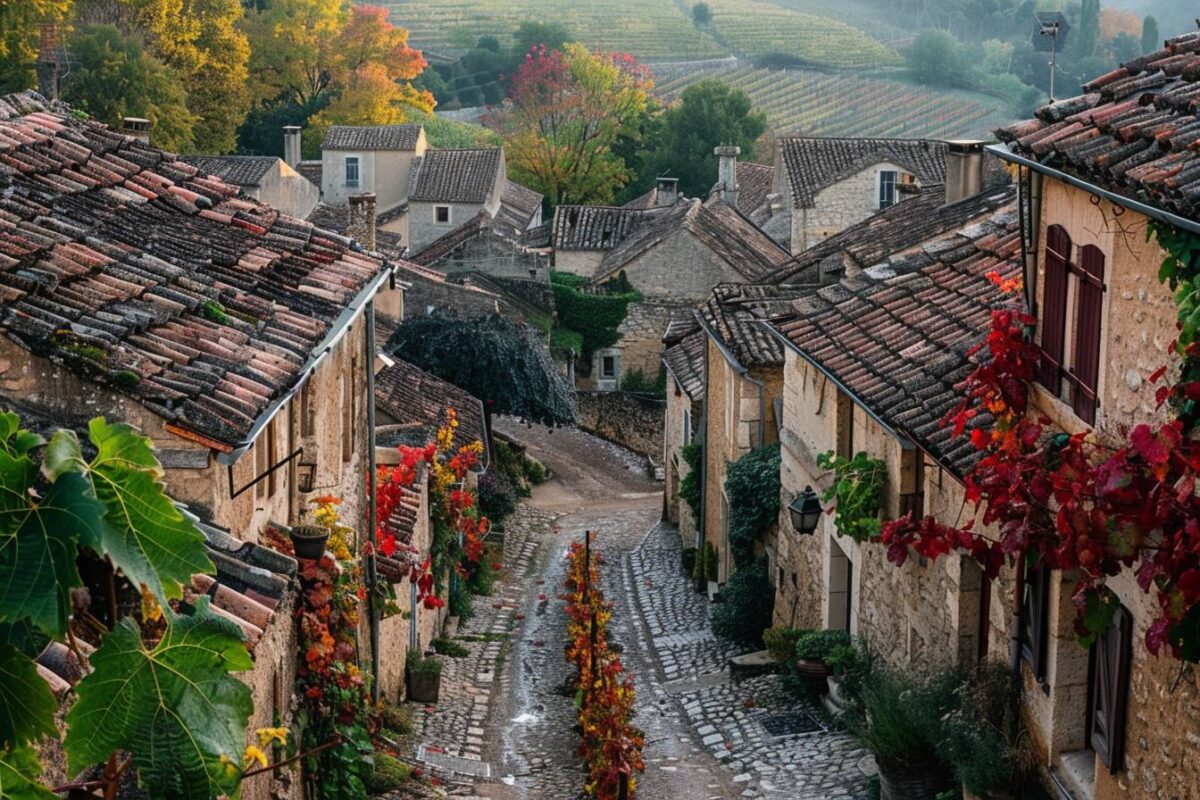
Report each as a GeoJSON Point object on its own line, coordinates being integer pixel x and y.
{"type": "Point", "coordinates": [299, 451]}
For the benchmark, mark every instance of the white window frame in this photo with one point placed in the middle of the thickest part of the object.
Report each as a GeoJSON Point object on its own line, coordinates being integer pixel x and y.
{"type": "Point", "coordinates": [357, 163]}
{"type": "Point", "coordinates": [449, 215]}
{"type": "Point", "coordinates": [687, 426]}
{"type": "Point", "coordinates": [880, 183]}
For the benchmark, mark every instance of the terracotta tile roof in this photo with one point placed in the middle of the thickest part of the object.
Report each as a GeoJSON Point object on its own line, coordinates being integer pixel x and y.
{"type": "Point", "coordinates": [813, 164]}
{"type": "Point", "coordinates": [372, 137]}
{"type": "Point", "coordinates": [684, 356]}
{"type": "Point", "coordinates": [720, 227]}
{"type": "Point", "coordinates": [734, 313]}
{"type": "Point", "coordinates": [445, 245]}
{"type": "Point", "coordinates": [455, 176]}
{"type": "Point", "coordinates": [519, 205]}
{"type": "Point", "coordinates": [238, 170]}
{"type": "Point", "coordinates": [417, 401]}
{"type": "Point", "coordinates": [313, 170]}
{"type": "Point", "coordinates": [890, 231]}
{"type": "Point", "coordinates": [135, 271]}
{"type": "Point", "coordinates": [1136, 132]}
{"type": "Point", "coordinates": [594, 227]}
{"type": "Point", "coordinates": [896, 338]}
{"type": "Point", "coordinates": [337, 219]}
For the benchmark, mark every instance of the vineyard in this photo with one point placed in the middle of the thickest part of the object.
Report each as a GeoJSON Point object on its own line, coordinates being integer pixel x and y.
{"type": "Point", "coordinates": [821, 104]}
{"type": "Point", "coordinates": [852, 12]}
{"type": "Point", "coordinates": [648, 29]}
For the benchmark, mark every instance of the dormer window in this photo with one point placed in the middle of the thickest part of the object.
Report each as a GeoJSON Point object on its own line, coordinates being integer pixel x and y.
{"type": "Point", "coordinates": [352, 172]}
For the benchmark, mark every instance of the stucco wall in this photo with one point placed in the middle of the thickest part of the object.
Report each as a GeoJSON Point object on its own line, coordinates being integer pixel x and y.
{"type": "Point", "coordinates": [578, 262]}
{"type": "Point", "coordinates": [287, 190]}
{"type": "Point", "coordinates": [423, 227]}
{"type": "Point", "coordinates": [384, 172]}
{"type": "Point", "coordinates": [630, 420]}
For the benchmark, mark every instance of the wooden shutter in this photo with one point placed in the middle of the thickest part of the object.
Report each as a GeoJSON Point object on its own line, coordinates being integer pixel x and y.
{"type": "Point", "coordinates": [1110, 690]}
{"type": "Point", "coordinates": [1054, 307]}
{"type": "Point", "coordinates": [1087, 334]}
{"type": "Point", "coordinates": [1035, 608]}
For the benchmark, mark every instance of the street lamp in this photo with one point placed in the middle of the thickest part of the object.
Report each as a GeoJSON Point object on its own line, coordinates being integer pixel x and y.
{"type": "Point", "coordinates": [805, 511]}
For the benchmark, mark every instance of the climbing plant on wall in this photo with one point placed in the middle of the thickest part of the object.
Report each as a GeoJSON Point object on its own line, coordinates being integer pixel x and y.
{"type": "Point", "coordinates": [752, 486]}
{"type": "Point", "coordinates": [857, 491]}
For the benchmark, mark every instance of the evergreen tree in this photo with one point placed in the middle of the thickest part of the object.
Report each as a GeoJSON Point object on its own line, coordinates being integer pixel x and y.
{"type": "Point", "coordinates": [1150, 40]}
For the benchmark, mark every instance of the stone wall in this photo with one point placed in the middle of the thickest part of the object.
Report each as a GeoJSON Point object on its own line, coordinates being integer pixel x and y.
{"type": "Point", "coordinates": [441, 297]}
{"type": "Point", "coordinates": [683, 417]}
{"type": "Point", "coordinates": [839, 206]}
{"type": "Point", "coordinates": [287, 190]}
{"type": "Point", "coordinates": [641, 334]}
{"type": "Point", "coordinates": [491, 255]}
{"type": "Point", "coordinates": [630, 420]}
{"type": "Point", "coordinates": [578, 262]}
{"type": "Point", "coordinates": [679, 269]}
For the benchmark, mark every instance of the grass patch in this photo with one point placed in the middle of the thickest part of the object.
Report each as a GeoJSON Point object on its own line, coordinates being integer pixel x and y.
{"type": "Point", "coordinates": [449, 647]}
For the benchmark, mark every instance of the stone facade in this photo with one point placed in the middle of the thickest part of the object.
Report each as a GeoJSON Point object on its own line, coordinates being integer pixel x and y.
{"type": "Point", "coordinates": [631, 420]}
{"type": "Point", "coordinates": [683, 418]}
{"type": "Point", "coordinates": [424, 227]}
{"type": "Point", "coordinates": [679, 269]}
{"type": "Point", "coordinates": [839, 206]}
{"type": "Point", "coordinates": [578, 262]}
{"type": "Point", "coordinates": [639, 347]}
{"type": "Point", "coordinates": [384, 172]}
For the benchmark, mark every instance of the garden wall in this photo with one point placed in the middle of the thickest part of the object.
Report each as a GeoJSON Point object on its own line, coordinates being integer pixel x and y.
{"type": "Point", "coordinates": [631, 420]}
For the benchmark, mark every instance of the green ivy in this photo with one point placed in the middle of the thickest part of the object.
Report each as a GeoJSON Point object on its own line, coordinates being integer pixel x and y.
{"type": "Point", "coordinates": [689, 487]}
{"type": "Point", "coordinates": [747, 604]}
{"type": "Point", "coordinates": [858, 492]}
{"type": "Point", "coordinates": [752, 486]}
{"type": "Point", "coordinates": [1180, 270]}
{"type": "Point", "coordinates": [595, 317]}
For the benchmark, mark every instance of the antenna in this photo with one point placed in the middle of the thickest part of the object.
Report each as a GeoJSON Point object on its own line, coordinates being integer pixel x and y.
{"type": "Point", "coordinates": [1051, 32]}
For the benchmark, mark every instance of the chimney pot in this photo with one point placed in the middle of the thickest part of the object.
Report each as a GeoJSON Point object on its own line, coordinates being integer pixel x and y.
{"type": "Point", "coordinates": [291, 145]}
{"type": "Point", "coordinates": [727, 156]}
{"type": "Point", "coordinates": [964, 169]}
{"type": "Point", "coordinates": [361, 222]}
{"type": "Point", "coordinates": [137, 127]}
{"type": "Point", "coordinates": [666, 191]}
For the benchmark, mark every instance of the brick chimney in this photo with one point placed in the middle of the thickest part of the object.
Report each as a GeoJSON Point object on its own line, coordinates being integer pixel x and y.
{"type": "Point", "coordinates": [964, 169]}
{"type": "Point", "coordinates": [666, 191]}
{"type": "Point", "coordinates": [137, 127]}
{"type": "Point", "coordinates": [361, 223]}
{"type": "Point", "coordinates": [291, 145]}
{"type": "Point", "coordinates": [727, 155]}
{"type": "Point", "coordinates": [48, 73]}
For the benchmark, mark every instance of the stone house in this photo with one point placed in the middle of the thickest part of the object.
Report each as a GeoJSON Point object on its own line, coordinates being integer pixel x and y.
{"type": "Point", "coordinates": [450, 187]}
{"type": "Point", "coordinates": [685, 345]}
{"type": "Point", "coordinates": [140, 289]}
{"type": "Point", "coordinates": [375, 159]}
{"type": "Point", "coordinates": [581, 235]}
{"type": "Point", "coordinates": [1097, 169]}
{"type": "Point", "coordinates": [267, 179]}
{"type": "Point", "coordinates": [751, 190]}
{"type": "Point", "coordinates": [826, 185]}
{"type": "Point", "coordinates": [487, 245]}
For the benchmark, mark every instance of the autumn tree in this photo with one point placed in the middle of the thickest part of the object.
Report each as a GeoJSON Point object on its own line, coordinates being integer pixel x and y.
{"type": "Point", "coordinates": [113, 77]}
{"type": "Point", "coordinates": [343, 64]}
{"type": "Point", "coordinates": [569, 108]}
{"type": "Point", "coordinates": [20, 35]}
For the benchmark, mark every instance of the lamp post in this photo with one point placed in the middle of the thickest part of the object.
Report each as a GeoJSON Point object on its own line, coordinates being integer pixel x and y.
{"type": "Point", "coordinates": [805, 511]}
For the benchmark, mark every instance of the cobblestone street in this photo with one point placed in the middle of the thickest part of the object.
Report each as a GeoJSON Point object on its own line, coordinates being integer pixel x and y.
{"type": "Point", "coordinates": [505, 722]}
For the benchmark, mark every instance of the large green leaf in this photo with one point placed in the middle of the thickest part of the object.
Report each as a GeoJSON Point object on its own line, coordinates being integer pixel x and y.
{"type": "Point", "coordinates": [27, 705]}
{"type": "Point", "coordinates": [144, 533]}
{"type": "Point", "coordinates": [39, 538]}
{"type": "Point", "coordinates": [176, 709]}
{"type": "Point", "coordinates": [19, 769]}
{"type": "Point", "coordinates": [15, 440]}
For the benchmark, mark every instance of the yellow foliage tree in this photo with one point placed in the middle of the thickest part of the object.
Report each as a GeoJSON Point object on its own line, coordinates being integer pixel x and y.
{"type": "Point", "coordinates": [20, 35]}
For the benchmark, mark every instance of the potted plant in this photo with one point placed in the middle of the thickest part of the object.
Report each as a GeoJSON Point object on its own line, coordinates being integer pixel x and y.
{"type": "Point", "coordinates": [848, 665]}
{"type": "Point", "coordinates": [309, 541]}
{"type": "Point", "coordinates": [814, 647]}
{"type": "Point", "coordinates": [423, 676]}
{"type": "Point", "coordinates": [898, 717]}
{"type": "Point", "coordinates": [983, 737]}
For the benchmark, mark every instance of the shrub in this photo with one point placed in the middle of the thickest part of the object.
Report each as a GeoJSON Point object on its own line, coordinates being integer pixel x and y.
{"type": "Point", "coordinates": [483, 574]}
{"type": "Point", "coordinates": [898, 716]}
{"type": "Point", "coordinates": [418, 666]}
{"type": "Point", "coordinates": [460, 601]}
{"type": "Point", "coordinates": [982, 736]}
{"type": "Point", "coordinates": [689, 487]}
{"type": "Point", "coordinates": [594, 316]}
{"type": "Point", "coordinates": [535, 471]}
{"type": "Point", "coordinates": [497, 496]}
{"type": "Point", "coordinates": [637, 381]}
{"type": "Point", "coordinates": [508, 460]}
{"type": "Point", "coordinates": [449, 647]}
{"type": "Point", "coordinates": [818, 645]}
{"type": "Point", "coordinates": [752, 486]}
{"type": "Point", "coordinates": [858, 492]}
{"type": "Point", "coordinates": [395, 719]}
{"type": "Point", "coordinates": [705, 568]}
{"type": "Point", "coordinates": [747, 603]}
{"type": "Point", "coordinates": [781, 641]}
{"type": "Point", "coordinates": [385, 774]}
{"type": "Point", "coordinates": [850, 665]}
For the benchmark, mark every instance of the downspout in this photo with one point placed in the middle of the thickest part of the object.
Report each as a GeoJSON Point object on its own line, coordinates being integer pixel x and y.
{"type": "Point", "coordinates": [700, 531]}
{"type": "Point", "coordinates": [372, 573]}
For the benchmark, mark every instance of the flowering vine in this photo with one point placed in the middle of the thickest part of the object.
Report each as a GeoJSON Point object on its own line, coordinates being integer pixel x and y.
{"type": "Point", "coordinates": [1078, 503]}
{"type": "Point", "coordinates": [611, 746]}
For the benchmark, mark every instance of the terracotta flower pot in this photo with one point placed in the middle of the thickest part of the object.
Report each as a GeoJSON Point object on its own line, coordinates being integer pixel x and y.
{"type": "Point", "coordinates": [309, 541]}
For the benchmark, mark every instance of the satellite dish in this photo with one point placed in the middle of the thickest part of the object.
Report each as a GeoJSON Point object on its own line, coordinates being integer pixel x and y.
{"type": "Point", "coordinates": [1051, 33]}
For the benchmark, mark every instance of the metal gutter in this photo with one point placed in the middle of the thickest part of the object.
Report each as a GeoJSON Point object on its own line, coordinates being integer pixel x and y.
{"type": "Point", "coordinates": [1004, 153]}
{"type": "Point", "coordinates": [372, 505]}
{"type": "Point", "coordinates": [339, 328]}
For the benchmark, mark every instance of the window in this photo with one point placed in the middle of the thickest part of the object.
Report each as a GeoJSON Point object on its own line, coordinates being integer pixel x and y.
{"type": "Point", "coordinates": [352, 172]}
{"type": "Point", "coordinates": [1086, 277]}
{"type": "Point", "coordinates": [687, 426]}
{"type": "Point", "coordinates": [608, 367]}
{"type": "Point", "coordinates": [441, 214]}
{"type": "Point", "coordinates": [1110, 690]}
{"type": "Point", "coordinates": [1035, 607]}
{"type": "Point", "coordinates": [888, 179]}
{"type": "Point", "coordinates": [307, 427]}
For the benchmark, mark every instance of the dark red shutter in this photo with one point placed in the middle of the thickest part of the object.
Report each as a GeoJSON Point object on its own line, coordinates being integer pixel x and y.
{"type": "Point", "coordinates": [1087, 333]}
{"type": "Point", "coordinates": [1110, 690]}
{"type": "Point", "coordinates": [1054, 307]}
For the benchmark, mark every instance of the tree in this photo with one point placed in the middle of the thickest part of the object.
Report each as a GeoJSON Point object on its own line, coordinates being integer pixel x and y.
{"type": "Point", "coordinates": [20, 35]}
{"type": "Point", "coordinates": [709, 113]}
{"type": "Point", "coordinates": [113, 78]}
{"type": "Point", "coordinates": [530, 35]}
{"type": "Point", "coordinates": [1150, 35]}
{"type": "Point", "coordinates": [1088, 34]}
{"type": "Point", "coordinates": [701, 14]}
{"type": "Point", "coordinates": [510, 369]}
{"type": "Point", "coordinates": [569, 108]}
{"type": "Point", "coordinates": [934, 58]}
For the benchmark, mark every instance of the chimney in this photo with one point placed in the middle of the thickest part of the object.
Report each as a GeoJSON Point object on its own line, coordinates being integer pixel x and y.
{"type": "Point", "coordinates": [48, 75]}
{"type": "Point", "coordinates": [666, 191]}
{"type": "Point", "coordinates": [137, 127]}
{"type": "Point", "coordinates": [361, 224]}
{"type": "Point", "coordinates": [291, 145]}
{"type": "Point", "coordinates": [727, 171]}
{"type": "Point", "coordinates": [964, 169]}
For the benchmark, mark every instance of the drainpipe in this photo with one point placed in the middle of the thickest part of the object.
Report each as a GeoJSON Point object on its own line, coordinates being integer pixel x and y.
{"type": "Point", "coordinates": [372, 574]}
{"type": "Point", "coordinates": [703, 457]}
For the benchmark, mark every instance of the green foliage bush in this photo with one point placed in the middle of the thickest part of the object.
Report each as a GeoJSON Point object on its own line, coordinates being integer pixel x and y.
{"type": "Point", "coordinates": [459, 601]}
{"type": "Point", "coordinates": [689, 487]}
{"type": "Point", "coordinates": [705, 568]}
{"type": "Point", "coordinates": [449, 647]}
{"type": "Point", "coordinates": [483, 575]}
{"type": "Point", "coordinates": [858, 490]}
{"type": "Point", "coordinates": [594, 316]}
{"type": "Point", "coordinates": [781, 641]}
{"type": "Point", "coordinates": [819, 645]}
{"type": "Point", "coordinates": [497, 495]}
{"type": "Point", "coordinates": [898, 716]}
{"type": "Point", "coordinates": [637, 381]}
{"type": "Point", "coordinates": [747, 603]}
{"type": "Point", "coordinates": [752, 486]}
{"type": "Point", "coordinates": [418, 666]}
{"type": "Point", "coordinates": [385, 774]}
{"type": "Point", "coordinates": [982, 735]}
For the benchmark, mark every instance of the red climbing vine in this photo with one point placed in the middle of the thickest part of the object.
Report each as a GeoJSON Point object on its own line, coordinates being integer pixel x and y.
{"type": "Point", "coordinates": [1095, 504]}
